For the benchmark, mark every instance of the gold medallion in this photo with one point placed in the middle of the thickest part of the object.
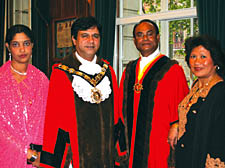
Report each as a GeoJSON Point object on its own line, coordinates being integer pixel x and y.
{"type": "Point", "coordinates": [138, 87]}
{"type": "Point", "coordinates": [96, 95]}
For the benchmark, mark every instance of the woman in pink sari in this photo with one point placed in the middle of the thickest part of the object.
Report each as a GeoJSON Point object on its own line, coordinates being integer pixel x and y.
{"type": "Point", "coordinates": [23, 94]}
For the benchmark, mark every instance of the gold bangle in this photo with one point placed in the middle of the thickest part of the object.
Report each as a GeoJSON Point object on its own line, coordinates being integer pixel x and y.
{"type": "Point", "coordinates": [175, 125]}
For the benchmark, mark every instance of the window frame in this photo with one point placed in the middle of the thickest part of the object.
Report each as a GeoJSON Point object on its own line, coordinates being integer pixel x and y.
{"type": "Point", "coordinates": [164, 16]}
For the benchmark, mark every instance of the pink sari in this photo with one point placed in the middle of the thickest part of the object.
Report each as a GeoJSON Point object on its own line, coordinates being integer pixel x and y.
{"type": "Point", "coordinates": [22, 109]}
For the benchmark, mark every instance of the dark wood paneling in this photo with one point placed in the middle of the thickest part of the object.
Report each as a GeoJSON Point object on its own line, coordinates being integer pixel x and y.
{"type": "Point", "coordinates": [70, 8]}
{"type": "Point", "coordinates": [54, 8]}
{"type": "Point", "coordinates": [62, 9]}
{"type": "Point", "coordinates": [44, 13]}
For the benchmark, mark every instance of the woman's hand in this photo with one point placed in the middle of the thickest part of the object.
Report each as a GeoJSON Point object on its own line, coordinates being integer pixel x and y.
{"type": "Point", "coordinates": [33, 153]}
{"type": "Point", "coordinates": [36, 163]}
{"type": "Point", "coordinates": [172, 136]}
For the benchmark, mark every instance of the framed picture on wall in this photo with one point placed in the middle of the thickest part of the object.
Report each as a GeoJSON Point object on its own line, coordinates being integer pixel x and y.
{"type": "Point", "coordinates": [62, 43]}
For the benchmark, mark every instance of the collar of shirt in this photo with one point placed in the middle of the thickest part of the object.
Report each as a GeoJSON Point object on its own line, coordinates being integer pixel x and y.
{"type": "Point", "coordinates": [145, 60]}
{"type": "Point", "coordinates": [90, 67]}
{"type": "Point", "coordinates": [84, 61]}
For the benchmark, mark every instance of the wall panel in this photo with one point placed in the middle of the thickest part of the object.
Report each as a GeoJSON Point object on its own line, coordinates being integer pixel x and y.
{"type": "Point", "coordinates": [62, 9]}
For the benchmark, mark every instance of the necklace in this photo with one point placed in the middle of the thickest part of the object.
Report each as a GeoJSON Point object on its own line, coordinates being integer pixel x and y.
{"type": "Point", "coordinates": [20, 73]}
{"type": "Point", "coordinates": [202, 91]}
{"type": "Point", "coordinates": [197, 92]}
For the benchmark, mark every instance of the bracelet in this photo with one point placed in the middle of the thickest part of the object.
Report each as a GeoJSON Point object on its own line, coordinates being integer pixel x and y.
{"type": "Point", "coordinates": [175, 125]}
{"type": "Point", "coordinates": [33, 157]}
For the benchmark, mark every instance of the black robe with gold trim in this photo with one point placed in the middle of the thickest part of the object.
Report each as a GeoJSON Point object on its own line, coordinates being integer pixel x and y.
{"type": "Point", "coordinates": [204, 140]}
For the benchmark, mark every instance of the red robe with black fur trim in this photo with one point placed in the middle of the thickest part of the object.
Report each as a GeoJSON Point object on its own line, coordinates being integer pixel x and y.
{"type": "Point", "coordinates": [76, 131]}
{"type": "Point", "coordinates": [149, 113]}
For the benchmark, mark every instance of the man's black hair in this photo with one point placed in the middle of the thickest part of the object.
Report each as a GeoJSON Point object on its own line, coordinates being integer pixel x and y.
{"type": "Point", "coordinates": [148, 21]}
{"type": "Point", "coordinates": [84, 23]}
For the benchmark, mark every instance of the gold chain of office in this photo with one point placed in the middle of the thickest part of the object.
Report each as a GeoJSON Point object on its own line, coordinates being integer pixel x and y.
{"type": "Point", "coordinates": [94, 81]}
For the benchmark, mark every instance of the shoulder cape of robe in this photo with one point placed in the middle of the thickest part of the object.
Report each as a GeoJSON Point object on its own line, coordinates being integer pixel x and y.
{"type": "Point", "coordinates": [149, 114]}
{"type": "Point", "coordinates": [75, 129]}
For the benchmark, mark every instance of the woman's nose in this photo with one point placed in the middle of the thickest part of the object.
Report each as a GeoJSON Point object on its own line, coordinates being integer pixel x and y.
{"type": "Point", "coordinates": [22, 48]}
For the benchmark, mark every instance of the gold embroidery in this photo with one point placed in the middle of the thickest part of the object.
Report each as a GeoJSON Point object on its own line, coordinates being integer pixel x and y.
{"type": "Point", "coordinates": [214, 163]}
{"type": "Point", "coordinates": [192, 98]}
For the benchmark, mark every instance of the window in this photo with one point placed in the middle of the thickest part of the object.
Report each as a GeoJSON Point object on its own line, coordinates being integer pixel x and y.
{"type": "Point", "coordinates": [177, 20]}
{"type": "Point", "coordinates": [18, 12]}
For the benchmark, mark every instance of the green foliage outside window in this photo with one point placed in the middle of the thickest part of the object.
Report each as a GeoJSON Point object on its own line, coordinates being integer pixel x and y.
{"type": "Point", "coordinates": [178, 29]}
